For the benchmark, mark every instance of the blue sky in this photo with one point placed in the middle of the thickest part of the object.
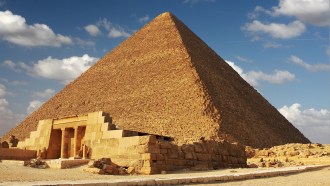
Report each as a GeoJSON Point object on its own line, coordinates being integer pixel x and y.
{"type": "Point", "coordinates": [280, 47]}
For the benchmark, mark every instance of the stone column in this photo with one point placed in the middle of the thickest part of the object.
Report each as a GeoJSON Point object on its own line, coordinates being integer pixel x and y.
{"type": "Point", "coordinates": [75, 141]}
{"type": "Point", "coordinates": [84, 151]}
{"type": "Point", "coordinates": [62, 142]}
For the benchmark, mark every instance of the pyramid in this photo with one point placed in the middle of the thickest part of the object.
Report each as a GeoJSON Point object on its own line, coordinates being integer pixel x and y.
{"type": "Point", "coordinates": [165, 80]}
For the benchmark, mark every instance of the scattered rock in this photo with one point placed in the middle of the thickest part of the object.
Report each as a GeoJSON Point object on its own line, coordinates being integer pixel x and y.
{"type": "Point", "coordinates": [105, 166]}
{"type": "Point", "coordinates": [36, 163]}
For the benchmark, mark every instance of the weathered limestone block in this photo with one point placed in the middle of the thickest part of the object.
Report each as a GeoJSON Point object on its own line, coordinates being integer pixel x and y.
{"type": "Point", "coordinates": [143, 140]}
{"type": "Point", "coordinates": [165, 145]}
{"type": "Point", "coordinates": [225, 158]}
{"type": "Point", "coordinates": [202, 157]}
{"type": "Point", "coordinates": [198, 147]}
{"type": "Point", "coordinates": [188, 156]}
{"type": "Point", "coordinates": [148, 170]}
{"type": "Point", "coordinates": [187, 148]}
{"type": "Point", "coordinates": [147, 163]}
{"type": "Point", "coordinates": [4, 144]}
{"type": "Point", "coordinates": [149, 156]}
{"type": "Point", "coordinates": [163, 151]}
{"type": "Point", "coordinates": [173, 154]}
{"type": "Point", "coordinates": [94, 170]}
{"type": "Point", "coordinates": [160, 157]}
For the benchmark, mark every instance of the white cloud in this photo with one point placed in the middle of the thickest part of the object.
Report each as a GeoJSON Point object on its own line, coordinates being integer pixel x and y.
{"type": "Point", "coordinates": [243, 59]}
{"type": "Point", "coordinates": [14, 29]}
{"type": "Point", "coordinates": [2, 91]}
{"type": "Point", "coordinates": [312, 68]}
{"type": "Point", "coordinates": [8, 119]}
{"type": "Point", "coordinates": [276, 30]}
{"type": "Point", "coordinates": [39, 99]}
{"type": "Point", "coordinates": [253, 77]}
{"type": "Point", "coordinates": [92, 30]}
{"type": "Point", "coordinates": [62, 70]}
{"type": "Point", "coordinates": [315, 124]}
{"type": "Point", "coordinates": [13, 82]}
{"type": "Point", "coordinates": [316, 12]}
{"type": "Point", "coordinates": [144, 19]}
{"type": "Point", "coordinates": [118, 32]}
{"type": "Point", "coordinates": [43, 94]}
{"type": "Point", "coordinates": [113, 30]}
{"type": "Point", "coordinates": [10, 65]}
{"type": "Point", "coordinates": [84, 43]}
{"type": "Point", "coordinates": [257, 11]}
{"type": "Point", "coordinates": [272, 45]}
{"type": "Point", "coordinates": [34, 105]}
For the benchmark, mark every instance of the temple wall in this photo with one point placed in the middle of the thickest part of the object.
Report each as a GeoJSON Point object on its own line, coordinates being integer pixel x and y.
{"type": "Point", "coordinates": [149, 155]}
{"type": "Point", "coordinates": [17, 154]}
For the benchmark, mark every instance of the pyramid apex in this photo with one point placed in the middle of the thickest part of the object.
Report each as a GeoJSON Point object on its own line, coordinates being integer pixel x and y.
{"type": "Point", "coordinates": [166, 14]}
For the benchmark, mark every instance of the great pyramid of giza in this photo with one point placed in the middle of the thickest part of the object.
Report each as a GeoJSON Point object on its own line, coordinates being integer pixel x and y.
{"type": "Point", "coordinates": [165, 80]}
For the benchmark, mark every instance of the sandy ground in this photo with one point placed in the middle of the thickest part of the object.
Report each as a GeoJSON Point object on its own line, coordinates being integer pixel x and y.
{"type": "Point", "coordinates": [13, 172]}
{"type": "Point", "coordinates": [317, 177]}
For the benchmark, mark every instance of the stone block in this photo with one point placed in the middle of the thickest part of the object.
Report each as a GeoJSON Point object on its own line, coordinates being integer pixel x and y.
{"type": "Point", "coordinates": [232, 151]}
{"type": "Point", "coordinates": [242, 160]}
{"type": "Point", "coordinates": [219, 157]}
{"type": "Point", "coordinates": [187, 148]}
{"type": "Point", "coordinates": [111, 169]}
{"type": "Point", "coordinates": [201, 166]}
{"type": "Point", "coordinates": [94, 170]}
{"type": "Point", "coordinates": [179, 162]}
{"type": "Point", "coordinates": [154, 149]}
{"type": "Point", "coordinates": [234, 160]}
{"type": "Point", "coordinates": [188, 156]}
{"type": "Point", "coordinates": [148, 170]}
{"type": "Point", "coordinates": [143, 149]}
{"type": "Point", "coordinates": [173, 155]}
{"type": "Point", "coordinates": [149, 156]}
{"type": "Point", "coordinates": [225, 158]}
{"type": "Point", "coordinates": [165, 145]}
{"type": "Point", "coordinates": [203, 157]}
{"type": "Point", "coordinates": [147, 163]}
{"type": "Point", "coordinates": [160, 157]}
{"type": "Point", "coordinates": [214, 157]}
{"type": "Point", "coordinates": [163, 151]}
{"type": "Point", "coordinates": [143, 140]}
{"type": "Point", "coordinates": [190, 163]}
{"type": "Point", "coordinates": [198, 147]}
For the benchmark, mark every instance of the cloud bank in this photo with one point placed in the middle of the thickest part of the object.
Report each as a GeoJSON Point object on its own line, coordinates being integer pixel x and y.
{"type": "Point", "coordinates": [276, 30]}
{"type": "Point", "coordinates": [254, 77]}
{"type": "Point", "coordinates": [62, 70]}
{"type": "Point", "coordinates": [8, 119]}
{"type": "Point", "coordinates": [14, 29]}
{"type": "Point", "coordinates": [310, 67]}
{"type": "Point", "coordinates": [313, 123]}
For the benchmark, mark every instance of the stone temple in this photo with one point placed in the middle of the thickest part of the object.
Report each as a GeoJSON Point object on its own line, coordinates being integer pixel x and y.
{"type": "Point", "coordinates": [163, 81]}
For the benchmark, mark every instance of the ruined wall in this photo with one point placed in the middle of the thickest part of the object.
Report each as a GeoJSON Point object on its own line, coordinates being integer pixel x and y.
{"type": "Point", "coordinates": [149, 155]}
{"type": "Point", "coordinates": [17, 154]}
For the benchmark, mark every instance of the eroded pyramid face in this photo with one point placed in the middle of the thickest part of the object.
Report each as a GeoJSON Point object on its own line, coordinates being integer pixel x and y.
{"type": "Point", "coordinates": [165, 80]}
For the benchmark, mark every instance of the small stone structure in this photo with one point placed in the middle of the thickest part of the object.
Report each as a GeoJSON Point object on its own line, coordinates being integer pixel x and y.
{"type": "Point", "coordinates": [94, 136]}
{"type": "Point", "coordinates": [17, 154]}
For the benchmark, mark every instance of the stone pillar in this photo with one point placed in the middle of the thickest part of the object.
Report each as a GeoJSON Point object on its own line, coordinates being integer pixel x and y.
{"type": "Point", "coordinates": [62, 142]}
{"type": "Point", "coordinates": [75, 141]}
{"type": "Point", "coordinates": [84, 151]}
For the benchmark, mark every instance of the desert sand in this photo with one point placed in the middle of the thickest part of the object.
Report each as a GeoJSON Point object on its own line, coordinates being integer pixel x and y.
{"type": "Point", "coordinates": [12, 171]}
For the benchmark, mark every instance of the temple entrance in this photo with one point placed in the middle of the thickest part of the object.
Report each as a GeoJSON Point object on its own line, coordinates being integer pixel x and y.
{"type": "Point", "coordinates": [54, 149]}
{"type": "Point", "coordinates": [66, 142]}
